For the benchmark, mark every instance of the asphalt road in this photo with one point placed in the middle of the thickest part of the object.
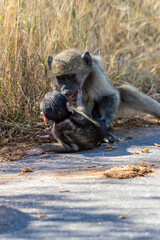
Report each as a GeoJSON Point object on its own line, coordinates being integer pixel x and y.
{"type": "Point", "coordinates": [61, 200]}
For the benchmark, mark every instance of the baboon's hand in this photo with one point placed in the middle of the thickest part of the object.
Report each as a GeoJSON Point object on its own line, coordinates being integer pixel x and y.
{"type": "Point", "coordinates": [79, 96]}
{"type": "Point", "coordinates": [108, 122]}
{"type": "Point", "coordinates": [35, 151]}
{"type": "Point", "coordinates": [111, 138]}
{"type": "Point", "coordinates": [45, 138]}
{"type": "Point", "coordinates": [48, 130]}
{"type": "Point", "coordinates": [79, 92]}
{"type": "Point", "coordinates": [39, 138]}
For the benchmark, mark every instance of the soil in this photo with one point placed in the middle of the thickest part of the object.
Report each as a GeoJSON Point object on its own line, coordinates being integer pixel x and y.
{"type": "Point", "coordinates": [129, 171]}
{"type": "Point", "coordinates": [16, 148]}
{"type": "Point", "coordinates": [120, 172]}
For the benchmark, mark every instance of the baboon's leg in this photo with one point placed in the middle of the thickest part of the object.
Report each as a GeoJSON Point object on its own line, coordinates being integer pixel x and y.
{"type": "Point", "coordinates": [50, 147]}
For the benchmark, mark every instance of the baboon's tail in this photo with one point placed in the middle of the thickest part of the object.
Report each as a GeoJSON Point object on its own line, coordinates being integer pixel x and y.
{"type": "Point", "coordinates": [132, 98]}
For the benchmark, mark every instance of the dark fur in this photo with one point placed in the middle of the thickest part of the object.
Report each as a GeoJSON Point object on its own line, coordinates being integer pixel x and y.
{"type": "Point", "coordinates": [53, 105]}
{"type": "Point", "coordinates": [76, 131]}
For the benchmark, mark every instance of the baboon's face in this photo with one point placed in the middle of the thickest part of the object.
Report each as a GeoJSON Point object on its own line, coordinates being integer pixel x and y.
{"type": "Point", "coordinates": [69, 85]}
{"type": "Point", "coordinates": [70, 69]}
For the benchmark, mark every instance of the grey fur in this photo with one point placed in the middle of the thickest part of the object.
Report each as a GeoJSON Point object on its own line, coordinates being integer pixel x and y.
{"type": "Point", "coordinates": [96, 87]}
{"type": "Point", "coordinates": [134, 99]}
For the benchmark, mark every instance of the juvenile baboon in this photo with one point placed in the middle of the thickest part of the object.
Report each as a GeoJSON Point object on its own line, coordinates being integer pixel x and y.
{"type": "Point", "coordinates": [71, 70]}
{"type": "Point", "coordinates": [72, 128]}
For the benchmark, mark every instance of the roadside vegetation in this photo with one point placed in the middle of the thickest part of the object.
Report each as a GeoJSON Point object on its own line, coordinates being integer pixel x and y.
{"type": "Point", "coordinates": [125, 33]}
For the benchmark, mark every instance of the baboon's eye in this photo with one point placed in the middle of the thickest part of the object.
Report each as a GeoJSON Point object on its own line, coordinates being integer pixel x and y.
{"type": "Point", "coordinates": [61, 77]}
{"type": "Point", "coordinates": [65, 77]}
{"type": "Point", "coordinates": [70, 76]}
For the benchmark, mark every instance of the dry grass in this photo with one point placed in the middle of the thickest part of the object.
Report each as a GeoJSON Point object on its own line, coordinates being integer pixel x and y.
{"type": "Point", "coordinates": [126, 33]}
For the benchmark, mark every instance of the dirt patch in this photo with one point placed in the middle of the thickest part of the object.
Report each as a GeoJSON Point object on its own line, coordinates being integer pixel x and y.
{"type": "Point", "coordinates": [16, 148]}
{"type": "Point", "coordinates": [123, 172]}
{"type": "Point", "coordinates": [16, 139]}
{"type": "Point", "coordinates": [140, 121]}
{"type": "Point", "coordinates": [141, 170]}
{"type": "Point", "coordinates": [25, 171]}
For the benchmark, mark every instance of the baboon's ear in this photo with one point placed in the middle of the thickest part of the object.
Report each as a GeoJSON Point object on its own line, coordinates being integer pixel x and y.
{"type": "Point", "coordinates": [69, 107]}
{"type": "Point", "coordinates": [87, 58]}
{"type": "Point", "coordinates": [50, 59]}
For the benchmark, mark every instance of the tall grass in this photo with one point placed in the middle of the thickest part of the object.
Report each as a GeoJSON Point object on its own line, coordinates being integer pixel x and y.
{"type": "Point", "coordinates": [126, 33]}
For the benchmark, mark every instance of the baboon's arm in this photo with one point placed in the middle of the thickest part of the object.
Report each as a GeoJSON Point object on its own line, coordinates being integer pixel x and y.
{"type": "Point", "coordinates": [109, 104]}
{"type": "Point", "coordinates": [80, 105]}
{"type": "Point", "coordinates": [65, 125]}
{"type": "Point", "coordinates": [106, 135]}
{"type": "Point", "coordinates": [44, 138]}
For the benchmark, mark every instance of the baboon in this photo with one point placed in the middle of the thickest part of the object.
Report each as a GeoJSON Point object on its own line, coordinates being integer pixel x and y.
{"type": "Point", "coordinates": [72, 70]}
{"type": "Point", "coordinates": [72, 128]}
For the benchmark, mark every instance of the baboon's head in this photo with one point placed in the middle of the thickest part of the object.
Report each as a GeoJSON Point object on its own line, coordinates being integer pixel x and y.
{"type": "Point", "coordinates": [70, 69]}
{"type": "Point", "coordinates": [54, 107]}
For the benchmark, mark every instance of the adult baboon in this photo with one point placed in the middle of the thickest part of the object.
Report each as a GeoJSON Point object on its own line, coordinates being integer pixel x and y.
{"type": "Point", "coordinates": [72, 70]}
